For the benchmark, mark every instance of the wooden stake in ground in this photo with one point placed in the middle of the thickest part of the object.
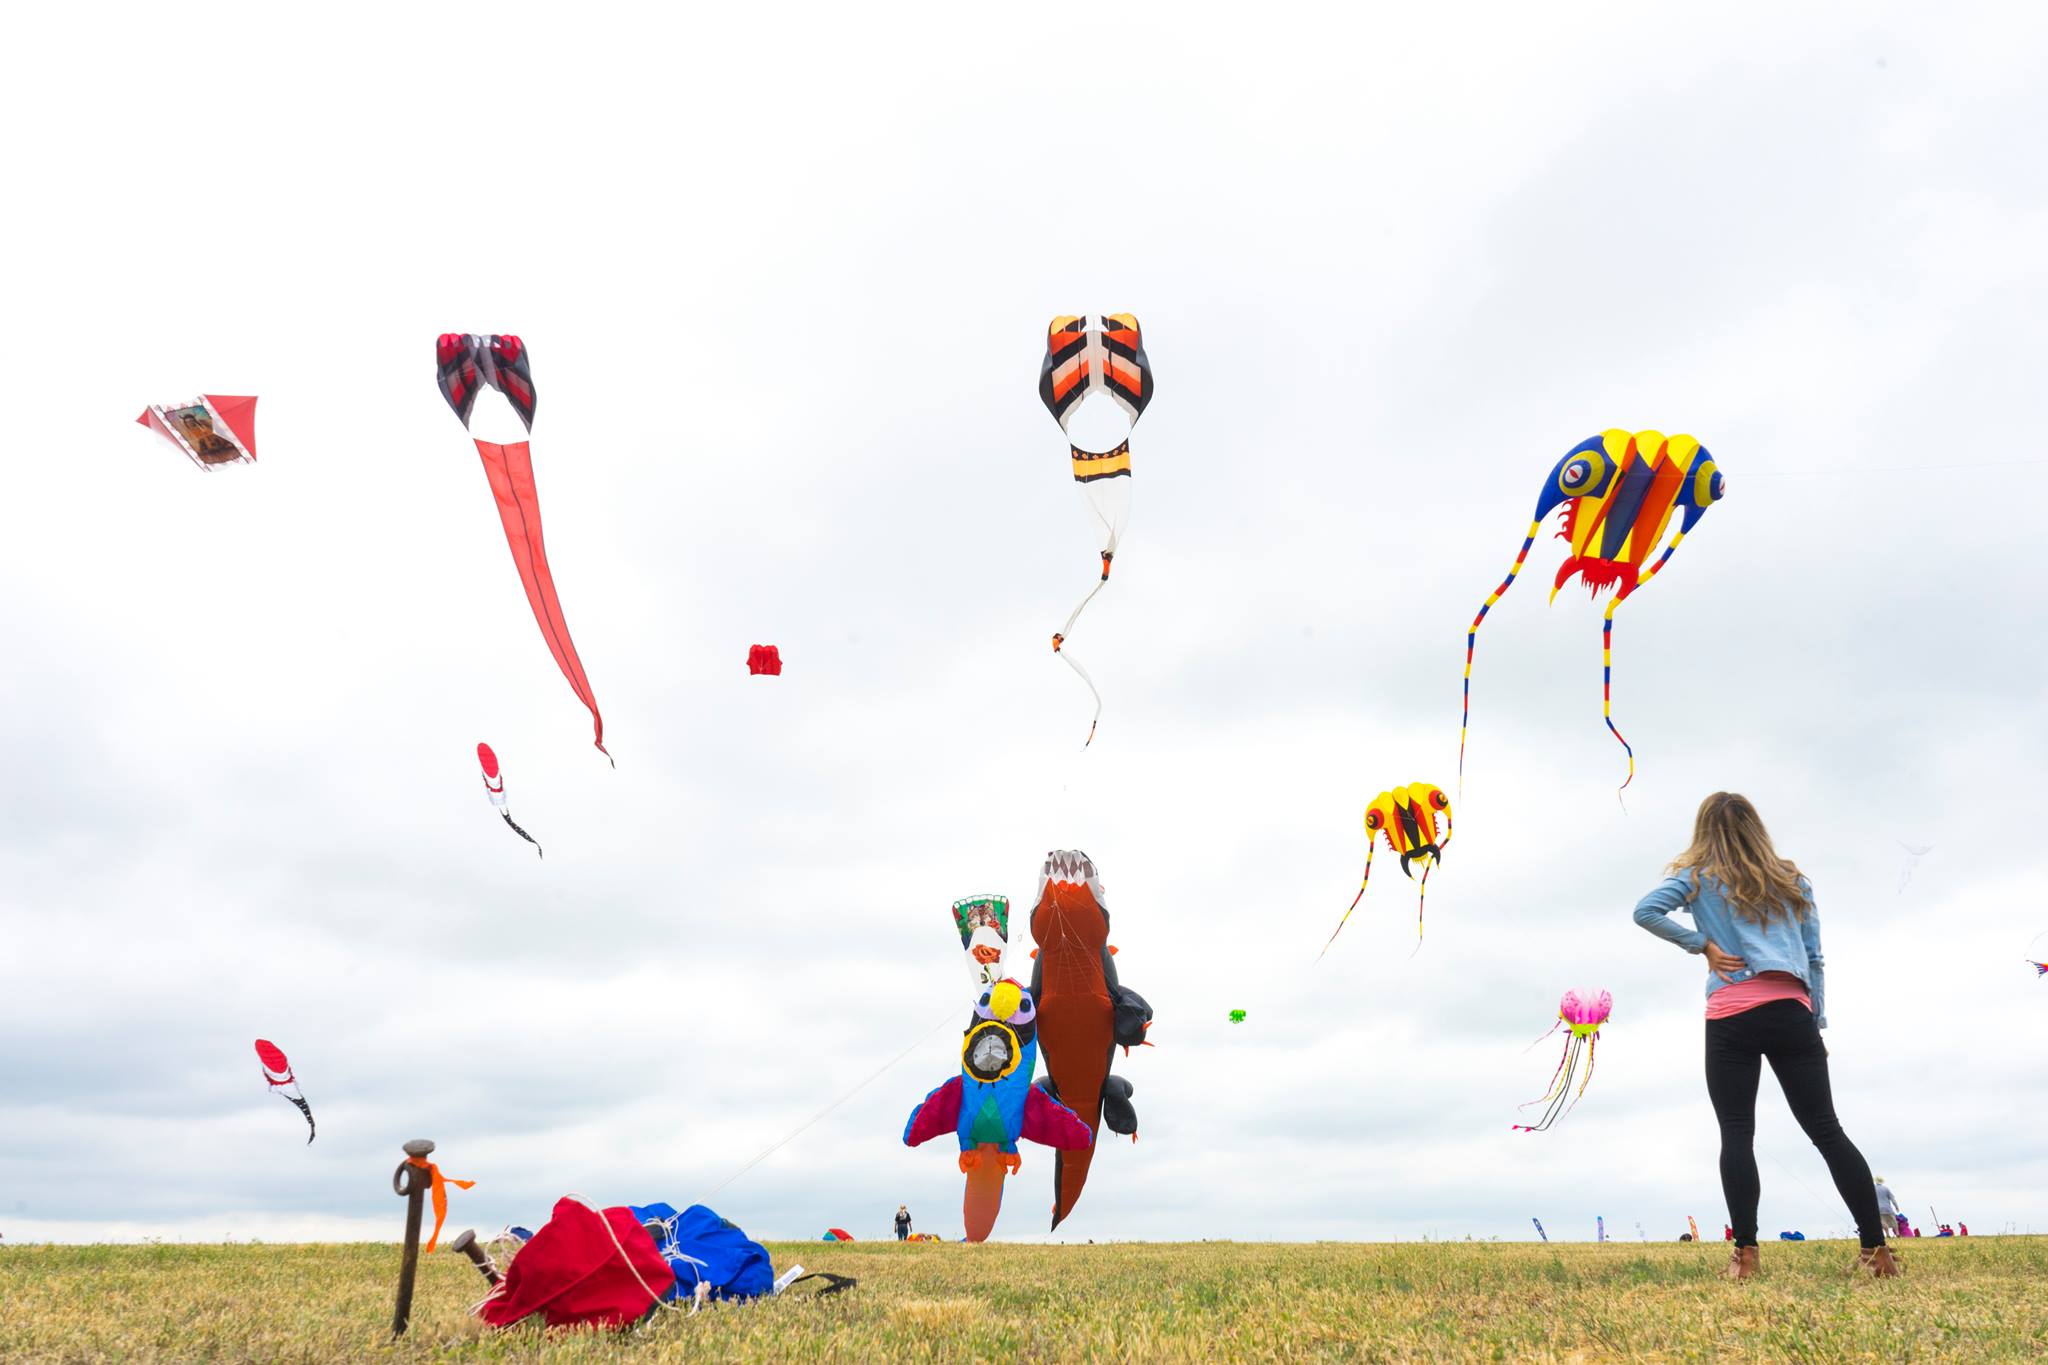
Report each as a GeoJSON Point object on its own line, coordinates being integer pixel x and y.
{"type": "Point", "coordinates": [466, 1243]}
{"type": "Point", "coordinates": [410, 1182]}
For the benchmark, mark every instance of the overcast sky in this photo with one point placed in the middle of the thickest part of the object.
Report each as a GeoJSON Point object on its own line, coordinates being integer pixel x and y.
{"type": "Point", "coordinates": [785, 276]}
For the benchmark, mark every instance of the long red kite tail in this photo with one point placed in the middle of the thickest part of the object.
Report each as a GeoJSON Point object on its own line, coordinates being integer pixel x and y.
{"type": "Point", "coordinates": [510, 471]}
{"type": "Point", "coordinates": [1472, 641]}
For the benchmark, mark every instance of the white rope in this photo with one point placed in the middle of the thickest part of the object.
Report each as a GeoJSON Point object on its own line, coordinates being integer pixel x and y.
{"type": "Point", "coordinates": [950, 1016]}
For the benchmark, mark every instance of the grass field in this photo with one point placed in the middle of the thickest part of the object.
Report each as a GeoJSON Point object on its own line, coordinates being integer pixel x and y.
{"type": "Point", "coordinates": [1977, 1299]}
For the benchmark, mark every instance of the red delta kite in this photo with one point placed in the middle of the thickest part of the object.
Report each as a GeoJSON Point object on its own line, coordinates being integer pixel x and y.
{"type": "Point", "coordinates": [213, 429]}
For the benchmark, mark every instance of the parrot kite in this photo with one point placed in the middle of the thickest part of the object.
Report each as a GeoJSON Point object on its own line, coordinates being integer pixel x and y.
{"type": "Point", "coordinates": [992, 1104]}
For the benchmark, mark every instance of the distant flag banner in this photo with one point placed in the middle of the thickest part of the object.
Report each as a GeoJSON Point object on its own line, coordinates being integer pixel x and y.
{"type": "Point", "coordinates": [1539, 1228]}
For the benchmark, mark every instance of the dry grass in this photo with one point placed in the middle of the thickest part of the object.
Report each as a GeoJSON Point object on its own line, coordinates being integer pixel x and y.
{"type": "Point", "coordinates": [1978, 1299]}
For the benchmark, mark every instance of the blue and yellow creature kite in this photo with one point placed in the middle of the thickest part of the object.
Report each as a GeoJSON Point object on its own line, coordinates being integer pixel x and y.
{"type": "Point", "coordinates": [1619, 490]}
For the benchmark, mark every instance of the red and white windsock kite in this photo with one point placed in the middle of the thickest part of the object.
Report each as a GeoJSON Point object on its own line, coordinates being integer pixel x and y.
{"type": "Point", "coordinates": [278, 1072]}
{"type": "Point", "coordinates": [494, 787]}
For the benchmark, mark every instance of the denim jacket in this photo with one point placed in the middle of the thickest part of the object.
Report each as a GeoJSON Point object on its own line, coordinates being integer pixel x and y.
{"type": "Point", "coordinates": [1784, 945]}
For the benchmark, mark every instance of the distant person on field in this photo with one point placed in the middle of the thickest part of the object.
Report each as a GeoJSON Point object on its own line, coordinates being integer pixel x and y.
{"type": "Point", "coordinates": [1754, 919]}
{"type": "Point", "coordinates": [1887, 1208]}
{"type": "Point", "coordinates": [903, 1222]}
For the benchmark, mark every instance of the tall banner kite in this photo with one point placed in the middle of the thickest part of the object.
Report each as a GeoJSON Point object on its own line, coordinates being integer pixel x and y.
{"type": "Point", "coordinates": [464, 365]}
{"type": "Point", "coordinates": [984, 925]}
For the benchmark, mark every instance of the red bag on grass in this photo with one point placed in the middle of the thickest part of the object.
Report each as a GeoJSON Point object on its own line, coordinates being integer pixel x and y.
{"type": "Point", "coordinates": [582, 1268]}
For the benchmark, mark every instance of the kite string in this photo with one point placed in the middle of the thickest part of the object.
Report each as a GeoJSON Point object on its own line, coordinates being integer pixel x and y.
{"type": "Point", "coordinates": [1892, 469]}
{"type": "Point", "coordinates": [951, 1014]}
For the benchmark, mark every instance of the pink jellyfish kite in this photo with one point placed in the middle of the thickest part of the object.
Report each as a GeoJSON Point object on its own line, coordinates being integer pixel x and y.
{"type": "Point", "coordinates": [278, 1073]}
{"type": "Point", "coordinates": [1583, 1016]}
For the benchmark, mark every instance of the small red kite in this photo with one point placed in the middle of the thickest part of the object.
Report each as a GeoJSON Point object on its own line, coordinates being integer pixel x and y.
{"type": "Point", "coordinates": [765, 659]}
{"type": "Point", "coordinates": [278, 1072]}
{"type": "Point", "coordinates": [494, 787]}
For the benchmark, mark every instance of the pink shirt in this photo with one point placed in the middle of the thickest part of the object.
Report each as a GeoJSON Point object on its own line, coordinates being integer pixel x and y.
{"type": "Point", "coordinates": [1760, 989]}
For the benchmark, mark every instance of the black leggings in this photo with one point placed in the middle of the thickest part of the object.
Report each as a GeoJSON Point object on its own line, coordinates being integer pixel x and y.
{"type": "Point", "coordinates": [1785, 1032]}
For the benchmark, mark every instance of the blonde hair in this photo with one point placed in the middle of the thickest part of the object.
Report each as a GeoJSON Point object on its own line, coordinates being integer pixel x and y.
{"type": "Point", "coordinates": [1731, 845]}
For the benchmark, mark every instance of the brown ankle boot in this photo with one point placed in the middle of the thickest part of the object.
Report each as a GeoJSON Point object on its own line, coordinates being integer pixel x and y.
{"type": "Point", "coordinates": [1876, 1262]}
{"type": "Point", "coordinates": [1743, 1264]}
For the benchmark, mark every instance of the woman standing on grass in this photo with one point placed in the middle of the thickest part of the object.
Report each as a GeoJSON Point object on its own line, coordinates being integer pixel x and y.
{"type": "Point", "coordinates": [1755, 920]}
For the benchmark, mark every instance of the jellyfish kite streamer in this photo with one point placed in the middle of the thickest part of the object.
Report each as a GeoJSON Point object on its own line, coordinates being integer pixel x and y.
{"type": "Point", "coordinates": [1406, 818]}
{"type": "Point", "coordinates": [1084, 356]}
{"type": "Point", "coordinates": [1582, 1016]}
{"type": "Point", "coordinates": [464, 365]}
{"type": "Point", "coordinates": [494, 787]}
{"type": "Point", "coordinates": [1619, 491]}
{"type": "Point", "coordinates": [277, 1071]}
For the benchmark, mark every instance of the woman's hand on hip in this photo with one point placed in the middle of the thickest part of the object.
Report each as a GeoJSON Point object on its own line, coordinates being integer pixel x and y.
{"type": "Point", "coordinates": [1723, 965]}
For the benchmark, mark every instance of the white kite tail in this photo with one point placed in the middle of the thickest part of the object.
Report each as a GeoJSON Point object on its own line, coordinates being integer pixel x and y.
{"type": "Point", "coordinates": [1073, 663]}
{"type": "Point", "coordinates": [1109, 502]}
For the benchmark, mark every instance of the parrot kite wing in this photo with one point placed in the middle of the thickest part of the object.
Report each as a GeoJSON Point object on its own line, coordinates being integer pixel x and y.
{"type": "Point", "coordinates": [212, 430]}
{"type": "Point", "coordinates": [1619, 491]}
{"type": "Point", "coordinates": [1051, 1124]}
{"type": "Point", "coordinates": [1406, 819]}
{"type": "Point", "coordinates": [494, 787]}
{"type": "Point", "coordinates": [277, 1072]}
{"type": "Point", "coordinates": [464, 365]}
{"type": "Point", "coordinates": [938, 1112]}
{"type": "Point", "coordinates": [1084, 356]}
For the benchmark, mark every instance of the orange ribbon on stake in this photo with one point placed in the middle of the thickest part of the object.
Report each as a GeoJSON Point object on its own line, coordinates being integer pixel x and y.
{"type": "Point", "coordinates": [440, 1193]}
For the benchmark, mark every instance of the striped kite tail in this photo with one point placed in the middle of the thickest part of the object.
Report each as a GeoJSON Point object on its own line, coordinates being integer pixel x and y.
{"type": "Point", "coordinates": [1354, 900]}
{"type": "Point", "coordinates": [1607, 696]}
{"type": "Point", "coordinates": [1421, 895]}
{"type": "Point", "coordinates": [1607, 662]}
{"type": "Point", "coordinates": [1472, 642]}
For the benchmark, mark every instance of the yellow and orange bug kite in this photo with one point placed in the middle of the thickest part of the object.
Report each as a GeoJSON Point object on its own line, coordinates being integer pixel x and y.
{"type": "Point", "coordinates": [1406, 818]}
